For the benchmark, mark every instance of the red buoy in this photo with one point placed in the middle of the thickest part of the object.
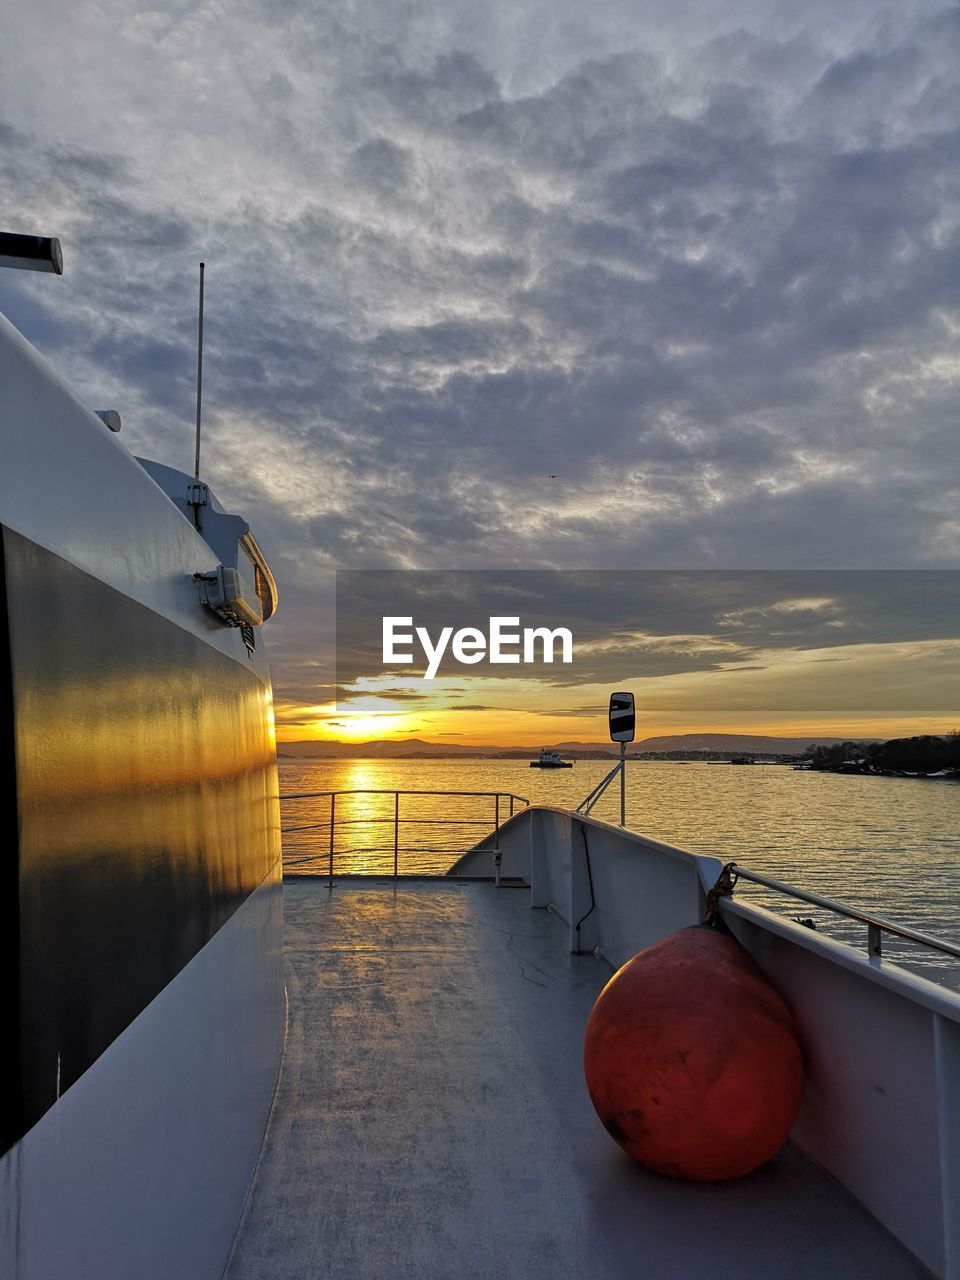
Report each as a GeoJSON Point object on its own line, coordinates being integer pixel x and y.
{"type": "Point", "coordinates": [692, 1058]}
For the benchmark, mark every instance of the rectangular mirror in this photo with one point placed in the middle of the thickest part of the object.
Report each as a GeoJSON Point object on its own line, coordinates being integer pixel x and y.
{"type": "Point", "coordinates": [623, 717]}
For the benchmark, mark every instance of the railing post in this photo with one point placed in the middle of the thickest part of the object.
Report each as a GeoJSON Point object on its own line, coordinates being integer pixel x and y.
{"type": "Point", "coordinates": [333, 818]}
{"type": "Point", "coordinates": [511, 804]}
{"type": "Point", "coordinates": [874, 939]}
{"type": "Point", "coordinates": [496, 840]}
{"type": "Point", "coordinates": [623, 784]}
{"type": "Point", "coordinates": [396, 833]}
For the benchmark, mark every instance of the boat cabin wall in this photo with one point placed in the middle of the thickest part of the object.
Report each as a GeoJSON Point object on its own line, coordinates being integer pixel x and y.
{"type": "Point", "coordinates": [143, 1000]}
{"type": "Point", "coordinates": [69, 484]}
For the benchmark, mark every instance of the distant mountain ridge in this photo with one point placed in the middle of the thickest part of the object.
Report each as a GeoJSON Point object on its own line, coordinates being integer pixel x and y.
{"type": "Point", "coordinates": [736, 742]}
{"type": "Point", "coordinates": [381, 748]}
{"type": "Point", "coordinates": [417, 748]}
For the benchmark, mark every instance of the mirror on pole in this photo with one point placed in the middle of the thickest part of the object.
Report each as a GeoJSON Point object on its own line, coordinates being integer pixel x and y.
{"type": "Point", "coordinates": [623, 717]}
{"type": "Point", "coordinates": [623, 725]}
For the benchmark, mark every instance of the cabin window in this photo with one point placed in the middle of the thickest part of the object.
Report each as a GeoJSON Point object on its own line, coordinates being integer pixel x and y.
{"type": "Point", "coordinates": [264, 594]}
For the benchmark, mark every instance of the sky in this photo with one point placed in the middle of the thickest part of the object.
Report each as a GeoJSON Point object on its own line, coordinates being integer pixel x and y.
{"type": "Point", "coordinates": [796, 653]}
{"type": "Point", "coordinates": [633, 285]}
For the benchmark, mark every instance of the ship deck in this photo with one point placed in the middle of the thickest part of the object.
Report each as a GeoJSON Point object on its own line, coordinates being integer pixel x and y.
{"type": "Point", "coordinates": [431, 1118]}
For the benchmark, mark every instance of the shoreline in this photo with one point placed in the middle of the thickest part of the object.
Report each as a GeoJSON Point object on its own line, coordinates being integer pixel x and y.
{"type": "Point", "coordinates": [945, 775]}
{"type": "Point", "coordinates": [866, 771]}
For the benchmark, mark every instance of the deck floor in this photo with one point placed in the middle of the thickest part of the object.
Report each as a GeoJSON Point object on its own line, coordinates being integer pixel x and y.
{"type": "Point", "coordinates": [431, 1119]}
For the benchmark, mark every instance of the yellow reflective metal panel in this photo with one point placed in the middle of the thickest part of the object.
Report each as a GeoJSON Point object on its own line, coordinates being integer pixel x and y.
{"type": "Point", "coordinates": [147, 806]}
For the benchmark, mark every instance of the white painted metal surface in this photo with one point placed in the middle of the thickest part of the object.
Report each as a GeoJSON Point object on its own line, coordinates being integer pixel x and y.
{"type": "Point", "coordinates": [142, 1168]}
{"type": "Point", "coordinates": [229, 535]}
{"type": "Point", "coordinates": [97, 507]}
{"type": "Point", "coordinates": [882, 1105]}
{"type": "Point", "coordinates": [432, 1120]}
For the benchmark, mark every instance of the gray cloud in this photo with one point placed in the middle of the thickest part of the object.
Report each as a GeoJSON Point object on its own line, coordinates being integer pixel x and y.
{"type": "Point", "coordinates": [381, 165]}
{"type": "Point", "coordinates": [703, 269]}
{"type": "Point", "coordinates": [647, 622]}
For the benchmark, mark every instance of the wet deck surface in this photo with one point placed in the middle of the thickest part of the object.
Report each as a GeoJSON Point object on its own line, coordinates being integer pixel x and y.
{"type": "Point", "coordinates": [431, 1120]}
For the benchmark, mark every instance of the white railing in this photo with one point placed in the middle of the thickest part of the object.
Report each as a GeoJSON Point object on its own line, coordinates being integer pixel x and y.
{"type": "Point", "coordinates": [877, 926]}
{"type": "Point", "coordinates": [375, 831]}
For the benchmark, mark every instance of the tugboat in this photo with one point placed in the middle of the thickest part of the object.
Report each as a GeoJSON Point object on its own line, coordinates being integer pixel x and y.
{"type": "Point", "coordinates": [550, 759]}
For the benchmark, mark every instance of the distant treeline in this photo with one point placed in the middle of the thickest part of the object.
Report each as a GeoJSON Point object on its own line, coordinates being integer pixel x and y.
{"type": "Point", "coordinates": [923, 754]}
{"type": "Point", "coordinates": [713, 756]}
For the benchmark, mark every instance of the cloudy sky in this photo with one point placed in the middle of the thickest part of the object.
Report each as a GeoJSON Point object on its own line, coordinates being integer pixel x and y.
{"type": "Point", "coordinates": [795, 653]}
{"type": "Point", "coordinates": [642, 283]}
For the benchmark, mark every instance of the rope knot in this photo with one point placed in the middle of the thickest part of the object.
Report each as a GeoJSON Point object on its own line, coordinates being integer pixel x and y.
{"type": "Point", "coordinates": [724, 887]}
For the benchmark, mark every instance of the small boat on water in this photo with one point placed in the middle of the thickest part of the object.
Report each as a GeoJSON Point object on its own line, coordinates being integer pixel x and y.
{"type": "Point", "coordinates": [550, 759]}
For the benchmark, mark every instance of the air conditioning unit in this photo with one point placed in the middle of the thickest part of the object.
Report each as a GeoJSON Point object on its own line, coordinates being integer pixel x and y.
{"type": "Point", "coordinates": [224, 592]}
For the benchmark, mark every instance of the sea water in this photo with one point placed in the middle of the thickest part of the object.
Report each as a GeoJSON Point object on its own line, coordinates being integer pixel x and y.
{"type": "Point", "coordinates": [889, 846]}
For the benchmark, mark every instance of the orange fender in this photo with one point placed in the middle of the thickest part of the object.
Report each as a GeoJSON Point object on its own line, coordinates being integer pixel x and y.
{"type": "Point", "coordinates": [692, 1058]}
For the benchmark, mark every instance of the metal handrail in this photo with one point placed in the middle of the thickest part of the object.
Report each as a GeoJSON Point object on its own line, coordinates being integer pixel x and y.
{"type": "Point", "coordinates": [418, 822]}
{"type": "Point", "coordinates": [876, 925]}
{"type": "Point", "coordinates": [392, 791]}
{"type": "Point", "coordinates": [396, 820]}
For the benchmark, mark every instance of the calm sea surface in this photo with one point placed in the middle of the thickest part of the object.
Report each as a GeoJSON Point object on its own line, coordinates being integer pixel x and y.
{"type": "Point", "coordinates": [887, 845]}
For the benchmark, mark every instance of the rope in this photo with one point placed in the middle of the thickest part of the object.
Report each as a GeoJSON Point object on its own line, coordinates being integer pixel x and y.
{"type": "Point", "coordinates": [726, 883]}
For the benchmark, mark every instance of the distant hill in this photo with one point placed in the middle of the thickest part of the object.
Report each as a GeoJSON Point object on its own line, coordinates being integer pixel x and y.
{"type": "Point", "coordinates": [380, 748]}
{"type": "Point", "coordinates": [735, 742]}
{"type": "Point", "coordinates": [417, 748]}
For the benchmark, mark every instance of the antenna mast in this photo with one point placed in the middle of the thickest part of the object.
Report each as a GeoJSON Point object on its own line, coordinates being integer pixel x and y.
{"type": "Point", "coordinates": [196, 466]}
